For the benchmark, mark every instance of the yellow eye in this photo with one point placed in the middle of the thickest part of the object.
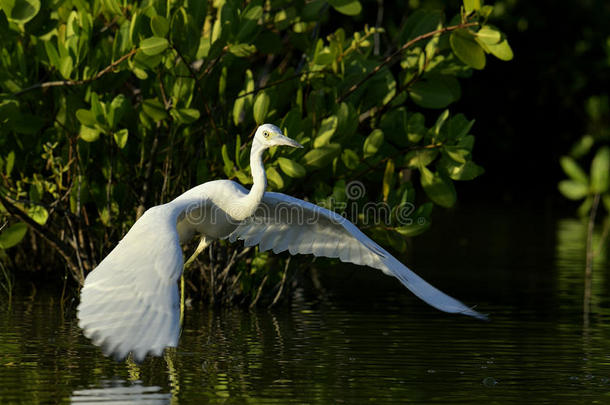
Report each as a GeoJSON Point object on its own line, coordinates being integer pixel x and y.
{"type": "Point", "coordinates": [266, 134]}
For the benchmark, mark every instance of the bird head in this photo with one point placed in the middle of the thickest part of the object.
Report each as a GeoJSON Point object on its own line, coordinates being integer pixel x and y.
{"type": "Point", "coordinates": [269, 135]}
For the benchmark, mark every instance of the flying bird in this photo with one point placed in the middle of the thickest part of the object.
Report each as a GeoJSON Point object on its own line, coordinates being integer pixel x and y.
{"type": "Point", "coordinates": [129, 302]}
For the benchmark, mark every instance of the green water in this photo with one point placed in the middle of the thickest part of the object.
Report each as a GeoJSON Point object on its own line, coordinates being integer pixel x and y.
{"type": "Point", "coordinates": [365, 341]}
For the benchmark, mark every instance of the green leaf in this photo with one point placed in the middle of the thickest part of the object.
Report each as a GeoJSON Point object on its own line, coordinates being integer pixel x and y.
{"type": "Point", "coordinates": [238, 108]}
{"type": "Point", "coordinates": [416, 128]}
{"type": "Point", "coordinates": [458, 127]}
{"type": "Point", "coordinates": [9, 163]}
{"type": "Point", "coordinates": [185, 115]}
{"type": "Point", "coordinates": [486, 11]}
{"type": "Point", "coordinates": [573, 190]}
{"type": "Point", "coordinates": [435, 92]}
{"type": "Point", "coordinates": [582, 146]}
{"type": "Point", "coordinates": [120, 137]}
{"type": "Point", "coordinates": [39, 214]}
{"type": "Point", "coordinates": [323, 55]}
{"type": "Point", "coordinates": [154, 109]}
{"type": "Point", "coordinates": [118, 108]}
{"type": "Point", "coordinates": [573, 170]}
{"type": "Point", "coordinates": [20, 11]}
{"type": "Point", "coordinates": [153, 45]}
{"type": "Point", "coordinates": [242, 50]}
{"type": "Point", "coordinates": [420, 157]}
{"type": "Point", "coordinates": [275, 178]}
{"type": "Point", "coordinates": [438, 188]}
{"type": "Point", "coordinates": [322, 156]}
{"type": "Point", "coordinates": [65, 66]}
{"type": "Point", "coordinates": [261, 107]}
{"type": "Point", "coordinates": [97, 109]}
{"type": "Point", "coordinates": [585, 208]}
{"type": "Point", "coordinates": [159, 26]}
{"type": "Point", "coordinates": [465, 171]}
{"type": "Point", "coordinates": [457, 154]}
{"type": "Point", "coordinates": [12, 235]}
{"type": "Point", "coordinates": [467, 49]}
{"type": "Point", "coordinates": [501, 50]}
{"type": "Point", "coordinates": [225, 156]}
{"type": "Point", "coordinates": [600, 171]}
{"type": "Point", "coordinates": [350, 159]}
{"type": "Point", "coordinates": [52, 54]}
{"type": "Point", "coordinates": [327, 129]}
{"type": "Point", "coordinates": [388, 179]}
{"type": "Point", "coordinates": [347, 7]}
{"type": "Point", "coordinates": [291, 168]}
{"type": "Point", "coordinates": [372, 143]}
{"type": "Point", "coordinates": [86, 117]}
{"type": "Point", "coordinates": [488, 35]}
{"type": "Point", "coordinates": [89, 134]}
{"type": "Point", "coordinates": [471, 5]}
{"type": "Point", "coordinates": [417, 227]}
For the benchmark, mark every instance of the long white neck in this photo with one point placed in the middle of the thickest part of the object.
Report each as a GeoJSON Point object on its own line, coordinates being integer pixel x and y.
{"type": "Point", "coordinates": [250, 202]}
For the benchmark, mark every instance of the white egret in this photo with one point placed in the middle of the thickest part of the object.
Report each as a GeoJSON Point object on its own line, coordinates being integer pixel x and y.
{"type": "Point", "coordinates": [129, 302]}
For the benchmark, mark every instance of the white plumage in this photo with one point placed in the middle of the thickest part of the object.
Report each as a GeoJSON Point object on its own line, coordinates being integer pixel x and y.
{"type": "Point", "coordinates": [129, 303]}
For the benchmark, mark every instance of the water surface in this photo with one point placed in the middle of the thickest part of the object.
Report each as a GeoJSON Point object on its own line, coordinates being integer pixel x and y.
{"type": "Point", "coordinates": [365, 341]}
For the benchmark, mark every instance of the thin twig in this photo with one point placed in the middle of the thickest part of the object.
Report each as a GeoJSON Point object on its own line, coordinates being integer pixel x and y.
{"type": "Point", "coordinates": [59, 83]}
{"type": "Point", "coordinates": [258, 293]}
{"type": "Point", "coordinates": [404, 47]}
{"type": "Point", "coordinates": [282, 283]}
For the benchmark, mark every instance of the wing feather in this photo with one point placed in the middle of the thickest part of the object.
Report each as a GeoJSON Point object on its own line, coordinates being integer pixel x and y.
{"type": "Point", "coordinates": [287, 223]}
{"type": "Point", "coordinates": [129, 303]}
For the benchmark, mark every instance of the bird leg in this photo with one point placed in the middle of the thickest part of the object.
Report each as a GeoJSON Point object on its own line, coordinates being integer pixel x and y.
{"type": "Point", "coordinates": [203, 243]}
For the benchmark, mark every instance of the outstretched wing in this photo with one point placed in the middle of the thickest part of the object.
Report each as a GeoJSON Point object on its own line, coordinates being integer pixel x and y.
{"type": "Point", "coordinates": [285, 223]}
{"type": "Point", "coordinates": [129, 303]}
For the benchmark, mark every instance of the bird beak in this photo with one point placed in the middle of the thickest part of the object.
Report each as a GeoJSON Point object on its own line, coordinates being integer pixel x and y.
{"type": "Point", "coordinates": [284, 140]}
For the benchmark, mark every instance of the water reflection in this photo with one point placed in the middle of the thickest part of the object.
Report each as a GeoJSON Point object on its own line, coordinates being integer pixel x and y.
{"type": "Point", "coordinates": [120, 391]}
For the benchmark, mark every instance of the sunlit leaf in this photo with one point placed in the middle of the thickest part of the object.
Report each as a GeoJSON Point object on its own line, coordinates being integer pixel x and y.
{"type": "Point", "coordinates": [467, 49]}
{"type": "Point", "coordinates": [501, 50]}
{"type": "Point", "coordinates": [372, 143]}
{"type": "Point", "coordinates": [242, 50]}
{"type": "Point", "coordinates": [20, 11]}
{"type": "Point", "coordinates": [153, 45]}
{"type": "Point", "coordinates": [154, 109]}
{"type": "Point", "coordinates": [347, 7]}
{"type": "Point", "coordinates": [600, 170]}
{"type": "Point", "coordinates": [573, 170]}
{"type": "Point", "coordinates": [275, 178]}
{"type": "Point", "coordinates": [350, 159]}
{"type": "Point", "coordinates": [573, 190]}
{"type": "Point", "coordinates": [120, 137]}
{"type": "Point", "coordinates": [38, 213]}
{"type": "Point", "coordinates": [12, 235]}
{"type": "Point", "coordinates": [291, 168]}
{"type": "Point", "coordinates": [159, 26]}
{"type": "Point", "coordinates": [327, 129]}
{"type": "Point", "coordinates": [261, 107]}
{"type": "Point", "coordinates": [471, 5]}
{"type": "Point", "coordinates": [185, 115]}
{"type": "Point", "coordinates": [89, 134]}
{"type": "Point", "coordinates": [388, 179]}
{"type": "Point", "coordinates": [322, 156]}
{"type": "Point", "coordinates": [488, 35]}
{"type": "Point", "coordinates": [438, 188]}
